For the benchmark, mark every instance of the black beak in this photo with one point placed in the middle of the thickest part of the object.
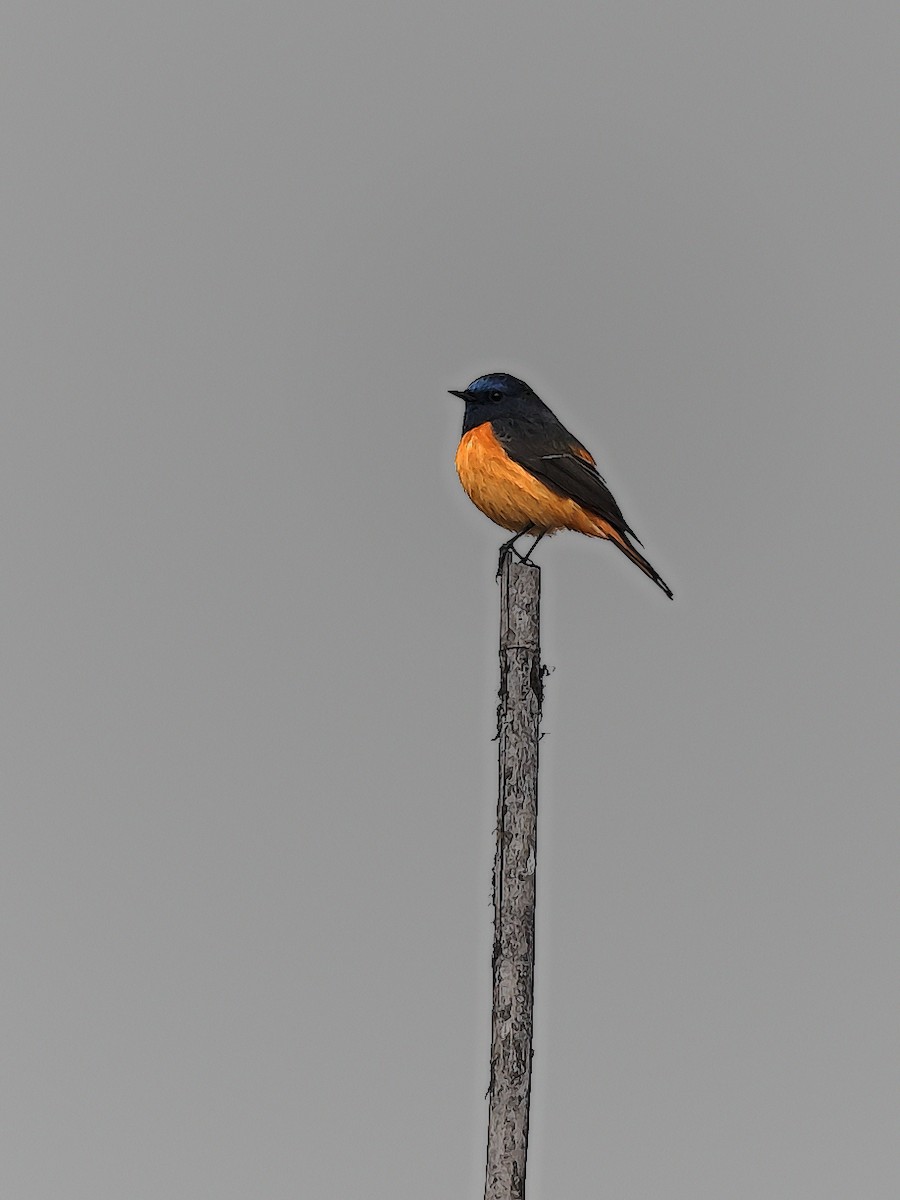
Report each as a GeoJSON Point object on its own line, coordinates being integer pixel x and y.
{"type": "Point", "coordinates": [462, 395]}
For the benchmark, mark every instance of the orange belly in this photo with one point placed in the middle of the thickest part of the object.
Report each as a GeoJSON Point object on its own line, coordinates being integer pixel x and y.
{"type": "Point", "coordinates": [510, 495]}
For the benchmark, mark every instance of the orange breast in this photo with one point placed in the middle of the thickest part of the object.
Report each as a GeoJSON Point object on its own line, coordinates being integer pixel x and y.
{"type": "Point", "coordinates": [512, 497]}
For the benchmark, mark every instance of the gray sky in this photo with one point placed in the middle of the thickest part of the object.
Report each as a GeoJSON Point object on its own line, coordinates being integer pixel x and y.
{"type": "Point", "coordinates": [250, 618]}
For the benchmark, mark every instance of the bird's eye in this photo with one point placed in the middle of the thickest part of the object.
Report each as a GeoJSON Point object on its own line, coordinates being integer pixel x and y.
{"type": "Point", "coordinates": [495, 395]}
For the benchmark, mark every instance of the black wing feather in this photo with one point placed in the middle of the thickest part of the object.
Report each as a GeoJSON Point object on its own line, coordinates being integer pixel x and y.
{"type": "Point", "coordinates": [549, 451]}
{"type": "Point", "coordinates": [543, 446]}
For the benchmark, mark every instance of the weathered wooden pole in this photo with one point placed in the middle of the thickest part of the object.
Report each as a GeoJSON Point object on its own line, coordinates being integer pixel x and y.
{"type": "Point", "coordinates": [518, 722]}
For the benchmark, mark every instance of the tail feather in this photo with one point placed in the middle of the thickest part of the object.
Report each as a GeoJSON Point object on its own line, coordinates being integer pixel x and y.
{"type": "Point", "coordinates": [624, 544]}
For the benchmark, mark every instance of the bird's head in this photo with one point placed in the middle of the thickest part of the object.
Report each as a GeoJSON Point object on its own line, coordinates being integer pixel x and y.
{"type": "Point", "coordinates": [497, 395]}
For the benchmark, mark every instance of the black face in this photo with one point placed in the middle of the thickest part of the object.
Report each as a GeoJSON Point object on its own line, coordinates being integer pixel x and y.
{"type": "Point", "coordinates": [494, 396]}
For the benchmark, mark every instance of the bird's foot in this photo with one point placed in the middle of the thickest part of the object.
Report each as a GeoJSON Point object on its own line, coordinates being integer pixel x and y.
{"type": "Point", "coordinates": [509, 547]}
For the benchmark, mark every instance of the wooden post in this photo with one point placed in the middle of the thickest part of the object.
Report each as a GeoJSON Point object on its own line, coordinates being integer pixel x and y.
{"type": "Point", "coordinates": [518, 721]}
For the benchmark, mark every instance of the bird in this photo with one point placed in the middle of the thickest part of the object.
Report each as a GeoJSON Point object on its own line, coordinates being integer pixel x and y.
{"type": "Point", "coordinates": [520, 465]}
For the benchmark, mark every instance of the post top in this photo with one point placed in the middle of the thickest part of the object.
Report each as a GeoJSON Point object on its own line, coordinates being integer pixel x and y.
{"type": "Point", "coordinates": [520, 604]}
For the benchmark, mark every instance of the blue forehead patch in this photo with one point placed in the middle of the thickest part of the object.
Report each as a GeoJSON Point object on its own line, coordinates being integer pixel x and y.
{"type": "Point", "coordinates": [501, 382]}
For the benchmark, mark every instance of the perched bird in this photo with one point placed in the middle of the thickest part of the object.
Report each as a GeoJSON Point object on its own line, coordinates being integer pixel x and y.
{"type": "Point", "coordinates": [525, 471]}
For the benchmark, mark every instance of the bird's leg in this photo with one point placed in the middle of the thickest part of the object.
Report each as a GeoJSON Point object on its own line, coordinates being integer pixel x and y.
{"type": "Point", "coordinates": [510, 545]}
{"type": "Point", "coordinates": [512, 541]}
{"type": "Point", "coordinates": [527, 557]}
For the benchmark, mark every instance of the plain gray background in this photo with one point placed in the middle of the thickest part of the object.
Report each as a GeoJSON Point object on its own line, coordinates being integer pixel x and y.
{"type": "Point", "coordinates": [249, 617]}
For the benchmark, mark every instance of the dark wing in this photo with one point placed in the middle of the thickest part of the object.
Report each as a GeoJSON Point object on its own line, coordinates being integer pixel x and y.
{"type": "Point", "coordinates": [548, 450]}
